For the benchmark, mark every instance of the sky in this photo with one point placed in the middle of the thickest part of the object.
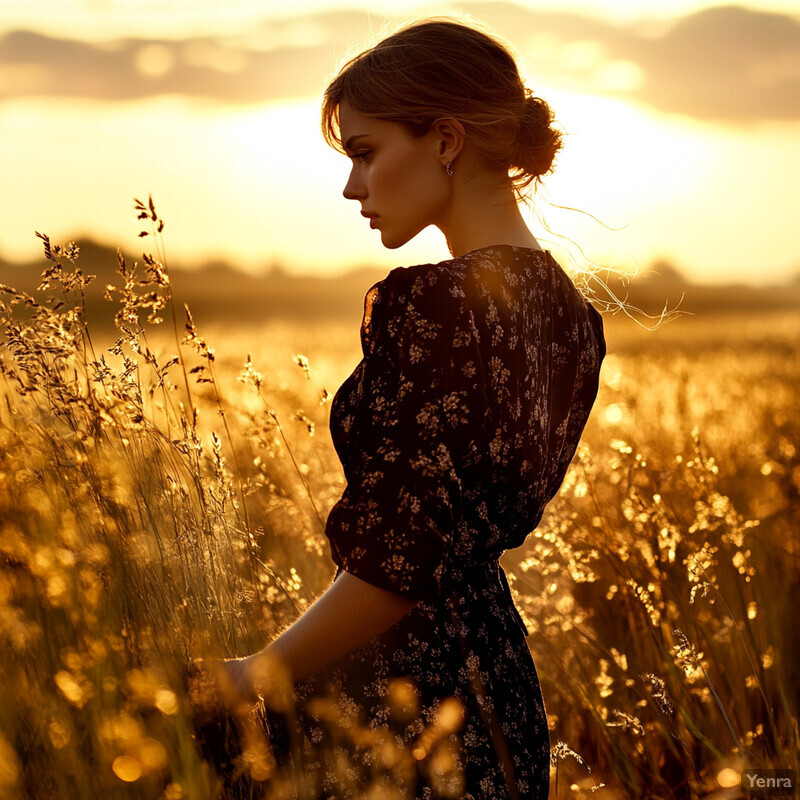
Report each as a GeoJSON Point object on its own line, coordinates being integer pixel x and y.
{"type": "Point", "coordinates": [682, 124]}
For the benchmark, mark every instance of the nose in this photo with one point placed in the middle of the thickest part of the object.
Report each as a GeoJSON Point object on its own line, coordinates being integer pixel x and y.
{"type": "Point", "coordinates": [354, 188]}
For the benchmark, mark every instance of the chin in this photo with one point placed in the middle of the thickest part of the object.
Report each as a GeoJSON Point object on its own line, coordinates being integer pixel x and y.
{"type": "Point", "coordinates": [393, 241]}
{"type": "Point", "coordinates": [392, 244]}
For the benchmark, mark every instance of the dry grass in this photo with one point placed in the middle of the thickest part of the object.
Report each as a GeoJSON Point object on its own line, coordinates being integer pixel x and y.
{"type": "Point", "coordinates": [160, 500]}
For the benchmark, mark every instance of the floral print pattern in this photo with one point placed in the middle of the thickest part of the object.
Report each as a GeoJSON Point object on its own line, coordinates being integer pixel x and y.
{"type": "Point", "coordinates": [454, 431]}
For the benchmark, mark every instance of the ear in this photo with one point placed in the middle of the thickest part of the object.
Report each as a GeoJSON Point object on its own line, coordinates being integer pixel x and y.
{"type": "Point", "coordinates": [450, 136]}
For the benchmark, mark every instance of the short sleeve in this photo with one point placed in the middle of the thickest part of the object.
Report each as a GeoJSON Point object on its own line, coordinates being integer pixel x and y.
{"type": "Point", "coordinates": [395, 524]}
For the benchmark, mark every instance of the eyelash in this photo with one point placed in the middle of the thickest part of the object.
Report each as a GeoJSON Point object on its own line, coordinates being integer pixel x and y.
{"type": "Point", "coordinates": [362, 156]}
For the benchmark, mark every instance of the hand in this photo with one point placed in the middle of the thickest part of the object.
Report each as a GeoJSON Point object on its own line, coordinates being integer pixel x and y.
{"type": "Point", "coordinates": [224, 685]}
{"type": "Point", "coordinates": [236, 678]}
{"type": "Point", "coordinates": [222, 696]}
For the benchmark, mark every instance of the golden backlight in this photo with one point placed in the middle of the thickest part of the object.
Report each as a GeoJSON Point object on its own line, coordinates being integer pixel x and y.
{"type": "Point", "coordinates": [164, 487]}
{"type": "Point", "coordinates": [256, 185]}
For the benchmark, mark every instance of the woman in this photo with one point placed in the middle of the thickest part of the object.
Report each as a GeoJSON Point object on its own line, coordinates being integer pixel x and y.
{"type": "Point", "coordinates": [454, 431]}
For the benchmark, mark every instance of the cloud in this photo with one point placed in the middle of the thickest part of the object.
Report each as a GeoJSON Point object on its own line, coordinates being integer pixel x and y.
{"type": "Point", "coordinates": [731, 63]}
{"type": "Point", "coordinates": [279, 59]}
{"type": "Point", "coordinates": [32, 64]}
{"type": "Point", "coordinates": [725, 63]}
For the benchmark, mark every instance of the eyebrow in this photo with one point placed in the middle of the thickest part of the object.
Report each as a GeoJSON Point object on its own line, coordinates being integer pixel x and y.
{"type": "Point", "coordinates": [348, 145]}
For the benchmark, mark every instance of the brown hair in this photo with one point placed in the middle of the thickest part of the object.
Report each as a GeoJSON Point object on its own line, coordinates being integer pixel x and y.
{"type": "Point", "coordinates": [442, 68]}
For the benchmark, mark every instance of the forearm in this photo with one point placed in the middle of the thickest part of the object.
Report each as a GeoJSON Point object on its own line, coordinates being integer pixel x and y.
{"type": "Point", "coordinates": [349, 614]}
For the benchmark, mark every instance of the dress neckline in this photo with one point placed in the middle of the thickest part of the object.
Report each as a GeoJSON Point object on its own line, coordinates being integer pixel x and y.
{"type": "Point", "coordinates": [509, 246]}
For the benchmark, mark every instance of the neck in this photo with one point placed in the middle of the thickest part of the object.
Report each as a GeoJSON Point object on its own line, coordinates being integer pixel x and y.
{"type": "Point", "coordinates": [484, 213]}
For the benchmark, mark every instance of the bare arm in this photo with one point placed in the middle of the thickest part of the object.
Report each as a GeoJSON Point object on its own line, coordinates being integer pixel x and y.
{"type": "Point", "coordinates": [347, 615]}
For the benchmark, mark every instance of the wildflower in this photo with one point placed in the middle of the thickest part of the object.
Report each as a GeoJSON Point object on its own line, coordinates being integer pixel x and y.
{"type": "Point", "coordinates": [561, 750]}
{"type": "Point", "coordinates": [659, 693]}
{"type": "Point", "coordinates": [627, 721]}
{"type": "Point", "coordinates": [645, 597]}
{"type": "Point", "coordinates": [249, 374]}
{"type": "Point", "coordinates": [686, 657]}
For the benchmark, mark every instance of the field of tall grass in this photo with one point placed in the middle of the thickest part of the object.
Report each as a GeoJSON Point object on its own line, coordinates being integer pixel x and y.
{"type": "Point", "coordinates": [163, 494]}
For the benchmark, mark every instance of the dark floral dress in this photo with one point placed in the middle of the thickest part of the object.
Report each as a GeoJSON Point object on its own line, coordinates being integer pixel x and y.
{"type": "Point", "coordinates": [454, 431]}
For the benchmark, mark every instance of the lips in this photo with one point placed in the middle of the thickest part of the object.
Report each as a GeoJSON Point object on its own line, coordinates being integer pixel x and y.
{"type": "Point", "coordinates": [371, 217]}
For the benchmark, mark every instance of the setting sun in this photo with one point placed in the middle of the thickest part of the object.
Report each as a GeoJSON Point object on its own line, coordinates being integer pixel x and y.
{"type": "Point", "coordinates": [251, 181]}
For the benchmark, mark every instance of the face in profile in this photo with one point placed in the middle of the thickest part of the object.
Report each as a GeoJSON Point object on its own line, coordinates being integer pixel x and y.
{"type": "Point", "coordinates": [398, 179]}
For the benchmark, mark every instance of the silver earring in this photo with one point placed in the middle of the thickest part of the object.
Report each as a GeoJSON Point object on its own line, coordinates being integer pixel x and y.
{"type": "Point", "coordinates": [449, 168]}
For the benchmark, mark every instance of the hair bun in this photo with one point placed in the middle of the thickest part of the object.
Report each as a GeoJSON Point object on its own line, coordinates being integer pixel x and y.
{"type": "Point", "coordinates": [537, 141]}
{"type": "Point", "coordinates": [441, 67]}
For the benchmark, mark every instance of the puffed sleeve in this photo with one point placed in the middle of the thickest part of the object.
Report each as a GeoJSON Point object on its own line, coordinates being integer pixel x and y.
{"type": "Point", "coordinates": [395, 524]}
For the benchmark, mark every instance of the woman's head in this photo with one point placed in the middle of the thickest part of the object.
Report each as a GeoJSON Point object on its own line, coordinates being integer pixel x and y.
{"type": "Point", "coordinates": [441, 68]}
